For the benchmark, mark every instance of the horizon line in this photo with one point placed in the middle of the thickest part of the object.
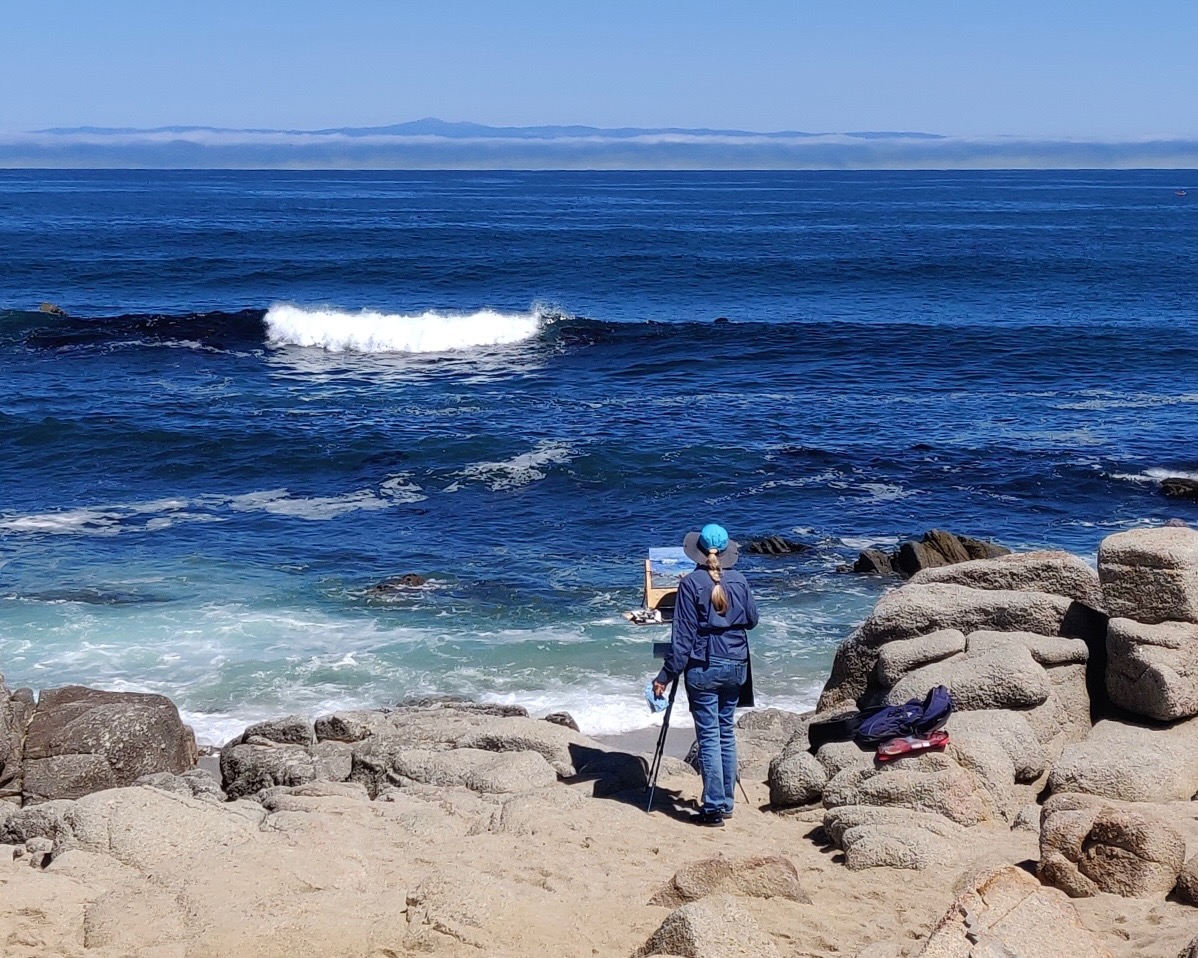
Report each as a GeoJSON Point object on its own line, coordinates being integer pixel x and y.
{"type": "Point", "coordinates": [432, 144]}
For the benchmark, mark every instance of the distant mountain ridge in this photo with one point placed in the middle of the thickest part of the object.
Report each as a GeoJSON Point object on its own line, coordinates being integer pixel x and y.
{"type": "Point", "coordinates": [431, 126]}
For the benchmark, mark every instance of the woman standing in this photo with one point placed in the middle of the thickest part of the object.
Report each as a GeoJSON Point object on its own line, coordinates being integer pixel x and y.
{"type": "Point", "coordinates": [710, 647]}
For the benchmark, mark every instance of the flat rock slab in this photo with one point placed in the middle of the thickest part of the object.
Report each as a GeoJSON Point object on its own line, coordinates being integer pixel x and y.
{"type": "Point", "coordinates": [1054, 572]}
{"type": "Point", "coordinates": [1008, 913]}
{"type": "Point", "coordinates": [1131, 763]}
{"type": "Point", "coordinates": [477, 770]}
{"type": "Point", "coordinates": [770, 876]}
{"type": "Point", "coordinates": [923, 609]}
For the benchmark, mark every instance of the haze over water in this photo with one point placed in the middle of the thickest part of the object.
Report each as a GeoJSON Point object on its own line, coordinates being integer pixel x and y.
{"type": "Point", "coordinates": [276, 390]}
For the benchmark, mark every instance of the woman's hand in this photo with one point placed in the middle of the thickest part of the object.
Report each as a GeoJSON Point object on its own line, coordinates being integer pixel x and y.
{"type": "Point", "coordinates": [659, 689]}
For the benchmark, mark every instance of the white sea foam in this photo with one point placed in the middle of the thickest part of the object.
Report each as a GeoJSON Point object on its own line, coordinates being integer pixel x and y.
{"type": "Point", "coordinates": [315, 508]}
{"type": "Point", "coordinates": [111, 520]}
{"type": "Point", "coordinates": [517, 471]}
{"type": "Point", "coordinates": [1154, 475]}
{"type": "Point", "coordinates": [68, 522]}
{"type": "Point", "coordinates": [373, 332]}
{"type": "Point", "coordinates": [1159, 474]}
{"type": "Point", "coordinates": [869, 542]}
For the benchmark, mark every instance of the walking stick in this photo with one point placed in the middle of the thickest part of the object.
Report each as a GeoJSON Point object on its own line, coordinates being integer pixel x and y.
{"type": "Point", "coordinates": [655, 766]}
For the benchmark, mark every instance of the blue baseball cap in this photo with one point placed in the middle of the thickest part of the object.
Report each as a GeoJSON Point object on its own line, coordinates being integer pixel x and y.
{"type": "Point", "coordinates": [697, 545]}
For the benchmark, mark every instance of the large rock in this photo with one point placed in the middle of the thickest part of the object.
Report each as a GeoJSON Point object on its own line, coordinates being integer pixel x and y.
{"type": "Point", "coordinates": [82, 740]}
{"type": "Point", "coordinates": [933, 784]}
{"type": "Point", "coordinates": [1001, 678]}
{"type": "Point", "coordinates": [379, 763]}
{"type": "Point", "coordinates": [796, 778]}
{"type": "Point", "coordinates": [1151, 575]}
{"type": "Point", "coordinates": [1131, 763]}
{"type": "Point", "coordinates": [880, 836]}
{"type": "Point", "coordinates": [896, 659]}
{"type": "Point", "coordinates": [153, 830]}
{"type": "Point", "coordinates": [1006, 913]}
{"type": "Point", "coordinates": [260, 763]}
{"type": "Point", "coordinates": [1087, 848]}
{"type": "Point", "coordinates": [1152, 670]}
{"type": "Point", "coordinates": [1056, 573]}
{"type": "Point", "coordinates": [1010, 729]}
{"type": "Point", "coordinates": [921, 610]}
{"type": "Point", "coordinates": [770, 876]}
{"type": "Point", "coordinates": [15, 710]}
{"type": "Point", "coordinates": [557, 744]}
{"type": "Point", "coordinates": [291, 730]}
{"type": "Point", "coordinates": [715, 927]}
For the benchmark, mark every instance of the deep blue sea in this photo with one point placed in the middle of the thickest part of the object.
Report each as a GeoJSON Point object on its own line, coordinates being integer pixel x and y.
{"type": "Point", "coordinates": [276, 389]}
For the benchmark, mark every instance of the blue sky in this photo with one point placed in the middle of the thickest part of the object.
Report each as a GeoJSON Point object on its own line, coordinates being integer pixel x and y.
{"type": "Point", "coordinates": [1109, 70]}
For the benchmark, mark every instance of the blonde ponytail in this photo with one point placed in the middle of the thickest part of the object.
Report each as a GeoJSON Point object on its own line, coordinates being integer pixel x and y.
{"type": "Point", "coordinates": [719, 600]}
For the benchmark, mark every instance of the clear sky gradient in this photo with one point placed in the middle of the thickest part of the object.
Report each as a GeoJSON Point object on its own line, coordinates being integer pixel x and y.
{"type": "Point", "coordinates": [1051, 68]}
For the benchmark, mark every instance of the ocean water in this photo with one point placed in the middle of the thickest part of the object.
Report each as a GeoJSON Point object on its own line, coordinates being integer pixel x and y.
{"type": "Point", "coordinates": [275, 390]}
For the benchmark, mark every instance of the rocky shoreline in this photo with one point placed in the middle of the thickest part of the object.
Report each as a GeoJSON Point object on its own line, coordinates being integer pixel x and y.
{"type": "Point", "coordinates": [1059, 821]}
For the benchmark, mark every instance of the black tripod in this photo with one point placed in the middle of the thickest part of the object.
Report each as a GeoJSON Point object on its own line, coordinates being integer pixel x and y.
{"type": "Point", "coordinates": [655, 767]}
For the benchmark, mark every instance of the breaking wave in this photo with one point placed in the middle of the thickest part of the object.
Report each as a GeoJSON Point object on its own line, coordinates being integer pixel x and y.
{"type": "Point", "coordinates": [373, 332]}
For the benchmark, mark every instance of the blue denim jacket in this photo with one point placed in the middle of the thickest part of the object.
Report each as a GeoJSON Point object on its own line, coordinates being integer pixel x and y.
{"type": "Point", "coordinates": [700, 632]}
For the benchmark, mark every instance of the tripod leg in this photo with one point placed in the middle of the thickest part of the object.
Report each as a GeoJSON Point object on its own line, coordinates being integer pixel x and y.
{"type": "Point", "coordinates": [655, 767]}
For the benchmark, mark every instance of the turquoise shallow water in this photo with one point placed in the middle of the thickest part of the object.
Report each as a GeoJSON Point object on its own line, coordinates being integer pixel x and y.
{"type": "Point", "coordinates": [275, 390]}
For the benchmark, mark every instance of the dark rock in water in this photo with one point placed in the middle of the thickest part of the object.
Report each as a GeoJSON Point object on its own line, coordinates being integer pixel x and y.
{"type": "Point", "coordinates": [90, 596]}
{"type": "Point", "coordinates": [398, 583]}
{"type": "Point", "coordinates": [1177, 488]}
{"type": "Point", "coordinates": [563, 718]}
{"type": "Point", "coordinates": [873, 562]}
{"type": "Point", "coordinates": [82, 740]}
{"type": "Point", "coordinates": [936, 548]}
{"type": "Point", "coordinates": [1176, 524]}
{"type": "Point", "coordinates": [981, 549]}
{"type": "Point", "coordinates": [775, 546]}
{"type": "Point", "coordinates": [52, 308]}
{"type": "Point", "coordinates": [947, 546]}
{"type": "Point", "coordinates": [913, 556]}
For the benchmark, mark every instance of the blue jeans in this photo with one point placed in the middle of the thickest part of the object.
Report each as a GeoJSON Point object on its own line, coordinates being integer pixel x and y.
{"type": "Point", "coordinates": [713, 691]}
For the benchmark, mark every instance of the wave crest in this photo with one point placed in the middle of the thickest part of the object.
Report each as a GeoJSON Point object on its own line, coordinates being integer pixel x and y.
{"type": "Point", "coordinates": [373, 332]}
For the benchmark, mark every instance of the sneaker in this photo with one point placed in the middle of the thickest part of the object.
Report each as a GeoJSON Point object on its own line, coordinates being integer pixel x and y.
{"type": "Point", "coordinates": [709, 819]}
